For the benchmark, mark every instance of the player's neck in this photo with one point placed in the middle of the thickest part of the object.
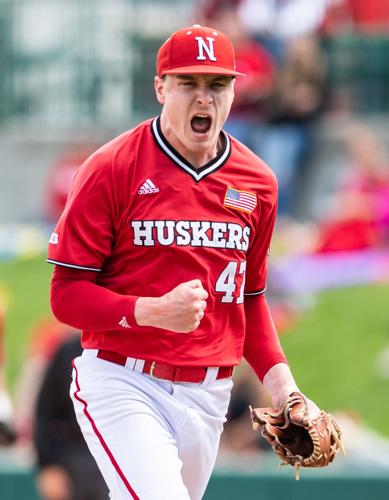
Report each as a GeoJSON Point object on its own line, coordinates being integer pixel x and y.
{"type": "Point", "coordinates": [198, 158]}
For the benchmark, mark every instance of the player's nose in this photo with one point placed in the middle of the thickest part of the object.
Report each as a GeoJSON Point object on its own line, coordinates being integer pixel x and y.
{"type": "Point", "coordinates": [204, 95]}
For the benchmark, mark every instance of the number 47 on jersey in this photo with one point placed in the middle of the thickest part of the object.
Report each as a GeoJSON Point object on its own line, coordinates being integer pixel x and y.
{"type": "Point", "coordinates": [227, 281]}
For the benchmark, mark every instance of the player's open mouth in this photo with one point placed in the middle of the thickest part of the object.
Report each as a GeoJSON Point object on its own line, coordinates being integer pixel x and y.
{"type": "Point", "coordinates": [201, 124]}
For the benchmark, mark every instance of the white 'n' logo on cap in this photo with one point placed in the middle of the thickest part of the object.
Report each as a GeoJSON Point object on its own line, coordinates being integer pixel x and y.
{"type": "Point", "coordinates": [203, 47]}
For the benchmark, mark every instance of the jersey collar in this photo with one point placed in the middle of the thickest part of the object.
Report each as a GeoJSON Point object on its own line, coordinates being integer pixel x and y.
{"type": "Point", "coordinates": [180, 161]}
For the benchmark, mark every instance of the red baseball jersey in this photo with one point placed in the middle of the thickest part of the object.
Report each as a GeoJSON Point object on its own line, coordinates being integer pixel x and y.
{"type": "Point", "coordinates": [146, 220]}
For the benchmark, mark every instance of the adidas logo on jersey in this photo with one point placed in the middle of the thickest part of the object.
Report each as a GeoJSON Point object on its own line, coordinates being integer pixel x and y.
{"type": "Point", "coordinates": [124, 323]}
{"type": "Point", "coordinates": [148, 187]}
{"type": "Point", "coordinates": [54, 239]}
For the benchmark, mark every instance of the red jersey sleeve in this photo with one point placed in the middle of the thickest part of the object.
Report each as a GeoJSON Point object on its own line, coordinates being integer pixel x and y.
{"type": "Point", "coordinates": [83, 236]}
{"type": "Point", "coordinates": [262, 348]}
{"type": "Point", "coordinates": [78, 301]}
{"type": "Point", "coordinates": [257, 255]}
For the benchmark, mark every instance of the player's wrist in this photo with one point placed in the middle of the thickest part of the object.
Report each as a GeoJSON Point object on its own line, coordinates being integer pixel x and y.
{"type": "Point", "coordinates": [279, 397]}
{"type": "Point", "coordinates": [280, 383]}
{"type": "Point", "coordinates": [147, 310]}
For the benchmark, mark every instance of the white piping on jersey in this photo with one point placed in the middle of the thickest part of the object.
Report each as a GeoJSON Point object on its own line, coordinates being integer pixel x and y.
{"type": "Point", "coordinates": [196, 174]}
{"type": "Point", "coordinates": [260, 292]}
{"type": "Point", "coordinates": [64, 264]}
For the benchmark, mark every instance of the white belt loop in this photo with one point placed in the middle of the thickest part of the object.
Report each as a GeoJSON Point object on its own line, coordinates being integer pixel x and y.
{"type": "Point", "coordinates": [138, 366]}
{"type": "Point", "coordinates": [130, 363]}
{"type": "Point", "coordinates": [211, 375]}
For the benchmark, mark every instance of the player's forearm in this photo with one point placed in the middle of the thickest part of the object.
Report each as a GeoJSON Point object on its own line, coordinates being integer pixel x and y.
{"type": "Point", "coordinates": [262, 348]}
{"type": "Point", "coordinates": [79, 302]}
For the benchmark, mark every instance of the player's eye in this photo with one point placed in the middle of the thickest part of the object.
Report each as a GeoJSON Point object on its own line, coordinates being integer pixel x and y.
{"type": "Point", "coordinates": [218, 85]}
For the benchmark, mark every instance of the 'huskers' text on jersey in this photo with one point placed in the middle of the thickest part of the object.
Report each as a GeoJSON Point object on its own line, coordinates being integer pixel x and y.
{"type": "Point", "coordinates": [191, 233]}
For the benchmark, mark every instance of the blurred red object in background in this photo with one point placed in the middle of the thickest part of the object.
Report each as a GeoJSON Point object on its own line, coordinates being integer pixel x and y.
{"type": "Point", "coordinates": [60, 180]}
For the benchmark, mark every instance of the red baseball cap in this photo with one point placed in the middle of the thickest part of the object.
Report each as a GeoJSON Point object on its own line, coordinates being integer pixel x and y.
{"type": "Point", "coordinates": [197, 49]}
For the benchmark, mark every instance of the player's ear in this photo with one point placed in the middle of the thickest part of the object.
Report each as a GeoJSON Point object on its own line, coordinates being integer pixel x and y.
{"type": "Point", "coordinates": [233, 88]}
{"type": "Point", "coordinates": [159, 86]}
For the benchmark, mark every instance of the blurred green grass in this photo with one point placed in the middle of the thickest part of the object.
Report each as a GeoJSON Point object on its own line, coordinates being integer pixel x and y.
{"type": "Point", "coordinates": [332, 348]}
{"type": "Point", "coordinates": [25, 284]}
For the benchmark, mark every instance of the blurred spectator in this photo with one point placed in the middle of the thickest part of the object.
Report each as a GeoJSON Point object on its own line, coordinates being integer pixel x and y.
{"type": "Point", "coordinates": [66, 469]}
{"type": "Point", "coordinates": [359, 215]}
{"type": "Point", "coordinates": [46, 335]}
{"type": "Point", "coordinates": [297, 101]}
{"type": "Point", "coordinates": [357, 211]}
{"type": "Point", "coordinates": [275, 22]}
{"type": "Point", "coordinates": [60, 180]}
{"type": "Point", "coordinates": [299, 90]}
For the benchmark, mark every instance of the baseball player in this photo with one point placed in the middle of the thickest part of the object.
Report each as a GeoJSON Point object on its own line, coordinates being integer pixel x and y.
{"type": "Point", "coordinates": [160, 258]}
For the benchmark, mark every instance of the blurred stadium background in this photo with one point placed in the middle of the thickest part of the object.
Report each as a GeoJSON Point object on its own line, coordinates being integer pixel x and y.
{"type": "Point", "coordinates": [75, 73]}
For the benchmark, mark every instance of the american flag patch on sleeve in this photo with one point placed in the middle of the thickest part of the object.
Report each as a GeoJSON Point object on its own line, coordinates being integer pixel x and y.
{"type": "Point", "coordinates": [241, 200]}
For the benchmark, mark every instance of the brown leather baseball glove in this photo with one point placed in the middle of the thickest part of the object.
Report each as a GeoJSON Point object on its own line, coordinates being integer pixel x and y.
{"type": "Point", "coordinates": [297, 439]}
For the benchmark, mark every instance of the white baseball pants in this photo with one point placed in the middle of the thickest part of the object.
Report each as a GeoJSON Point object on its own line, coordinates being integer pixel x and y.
{"type": "Point", "coordinates": [152, 439]}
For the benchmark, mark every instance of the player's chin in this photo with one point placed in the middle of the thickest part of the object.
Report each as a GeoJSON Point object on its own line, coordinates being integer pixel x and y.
{"type": "Point", "coordinates": [204, 139]}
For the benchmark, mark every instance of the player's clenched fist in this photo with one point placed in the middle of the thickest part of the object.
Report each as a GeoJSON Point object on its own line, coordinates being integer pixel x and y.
{"type": "Point", "coordinates": [179, 310]}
